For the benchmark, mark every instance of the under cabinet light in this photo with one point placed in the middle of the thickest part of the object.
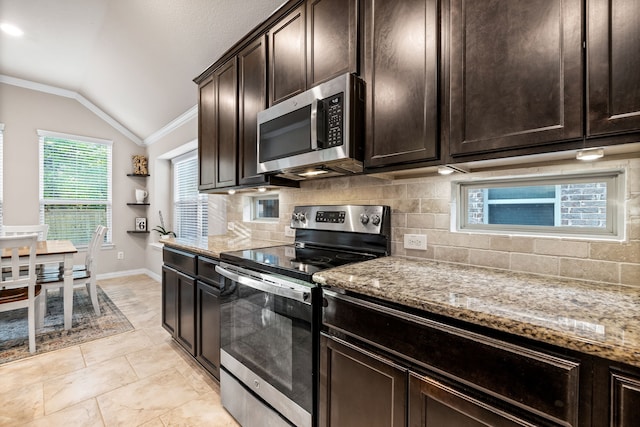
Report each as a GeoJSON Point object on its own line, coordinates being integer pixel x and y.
{"type": "Point", "coordinates": [445, 170]}
{"type": "Point", "coordinates": [231, 192]}
{"type": "Point", "coordinates": [590, 154]}
{"type": "Point", "coordinates": [262, 189]}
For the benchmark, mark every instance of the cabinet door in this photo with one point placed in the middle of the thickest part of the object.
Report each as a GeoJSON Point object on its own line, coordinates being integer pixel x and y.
{"type": "Point", "coordinates": [169, 299]}
{"type": "Point", "coordinates": [186, 320]}
{"type": "Point", "coordinates": [208, 327]}
{"type": "Point", "coordinates": [613, 44]}
{"type": "Point", "coordinates": [358, 388]}
{"type": "Point", "coordinates": [332, 33]}
{"type": "Point", "coordinates": [515, 74]}
{"type": "Point", "coordinates": [206, 135]}
{"type": "Point", "coordinates": [252, 98]}
{"type": "Point", "coordinates": [434, 404]}
{"type": "Point", "coordinates": [225, 124]}
{"type": "Point", "coordinates": [287, 57]}
{"type": "Point", "coordinates": [400, 68]}
{"type": "Point", "coordinates": [625, 405]}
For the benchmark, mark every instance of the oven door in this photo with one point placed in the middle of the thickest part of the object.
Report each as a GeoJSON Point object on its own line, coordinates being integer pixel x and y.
{"type": "Point", "coordinates": [267, 339]}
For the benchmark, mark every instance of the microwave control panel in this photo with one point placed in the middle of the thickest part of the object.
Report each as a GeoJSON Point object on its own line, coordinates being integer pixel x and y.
{"type": "Point", "coordinates": [335, 118]}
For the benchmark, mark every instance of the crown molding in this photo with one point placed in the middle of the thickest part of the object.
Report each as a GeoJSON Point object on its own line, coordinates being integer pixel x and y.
{"type": "Point", "coordinates": [73, 95]}
{"type": "Point", "coordinates": [185, 117]}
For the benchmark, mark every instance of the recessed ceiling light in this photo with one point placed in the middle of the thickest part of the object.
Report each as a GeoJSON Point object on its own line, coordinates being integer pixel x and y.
{"type": "Point", "coordinates": [11, 29]}
{"type": "Point", "coordinates": [590, 154]}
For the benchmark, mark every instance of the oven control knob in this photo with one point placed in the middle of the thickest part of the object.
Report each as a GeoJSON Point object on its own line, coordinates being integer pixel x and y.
{"type": "Point", "coordinates": [299, 216]}
{"type": "Point", "coordinates": [364, 218]}
{"type": "Point", "coordinates": [375, 219]}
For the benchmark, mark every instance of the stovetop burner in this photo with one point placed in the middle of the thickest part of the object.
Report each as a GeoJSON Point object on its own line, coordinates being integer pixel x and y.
{"type": "Point", "coordinates": [326, 237]}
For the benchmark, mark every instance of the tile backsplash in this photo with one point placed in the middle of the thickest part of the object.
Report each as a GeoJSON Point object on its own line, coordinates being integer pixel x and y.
{"type": "Point", "coordinates": [423, 206]}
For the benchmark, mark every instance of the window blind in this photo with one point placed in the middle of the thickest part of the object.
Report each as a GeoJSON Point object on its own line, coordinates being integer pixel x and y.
{"type": "Point", "coordinates": [75, 186]}
{"type": "Point", "coordinates": [189, 206]}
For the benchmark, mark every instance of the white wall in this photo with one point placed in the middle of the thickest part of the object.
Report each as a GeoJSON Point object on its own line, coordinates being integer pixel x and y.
{"type": "Point", "coordinates": [23, 112]}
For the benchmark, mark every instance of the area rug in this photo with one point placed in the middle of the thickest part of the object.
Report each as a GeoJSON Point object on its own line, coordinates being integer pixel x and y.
{"type": "Point", "coordinates": [86, 325]}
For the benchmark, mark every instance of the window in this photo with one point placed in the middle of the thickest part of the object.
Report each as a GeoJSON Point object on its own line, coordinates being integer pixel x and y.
{"type": "Point", "coordinates": [189, 206]}
{"type": "Point", "coordinates": [265, 207]}
{"type": "Point", "coordinates": [568, 205]}
{"type": "Point", "coordinates": [75, 186]}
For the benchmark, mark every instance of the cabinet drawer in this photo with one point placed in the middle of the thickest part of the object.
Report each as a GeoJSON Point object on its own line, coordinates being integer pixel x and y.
{"type": "Point", "coordinates": [207, 271]}
{"type": "Point", "coordinates": [523, 377]}
{"type": "Point", "coordinates": [181, 261]}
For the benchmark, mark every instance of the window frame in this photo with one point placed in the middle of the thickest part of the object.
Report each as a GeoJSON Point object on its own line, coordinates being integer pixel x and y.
{"type": "Point", "coordinates": [42, 136]}
{"type": "Point", "coordinates": [202, 224]}
{"type": "Point", "coordinates": [615, 202]}
{"type": "Point", "coordinates": [255, 199]}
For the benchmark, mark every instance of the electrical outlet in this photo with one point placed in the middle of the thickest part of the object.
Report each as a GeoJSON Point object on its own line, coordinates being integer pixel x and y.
{"type": "Point", "coordinates": [120, 255]}
{"type": "Point", "coordinates": [289, 232]}
{"type": "Point", "coordinates": [415, 241]}
{"type": "Point", "coordinates": [230, 226]}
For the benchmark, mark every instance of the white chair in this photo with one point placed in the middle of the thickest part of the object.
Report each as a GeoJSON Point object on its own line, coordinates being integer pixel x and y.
{"type": "Point", "coordinates": [82, 274]}
{"type": "Point", "coordinates": [18, 287]}
{"type": "Point", "coordinates": [16, 230]}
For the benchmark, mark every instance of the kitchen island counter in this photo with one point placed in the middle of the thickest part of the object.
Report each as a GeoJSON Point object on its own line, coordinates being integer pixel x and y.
{"type": "Point", "coordinates": [592, 318]}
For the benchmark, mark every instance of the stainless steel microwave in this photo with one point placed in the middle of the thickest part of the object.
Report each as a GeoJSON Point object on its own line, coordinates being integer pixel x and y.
{"type": "Point", "coordinates": [317, 133]}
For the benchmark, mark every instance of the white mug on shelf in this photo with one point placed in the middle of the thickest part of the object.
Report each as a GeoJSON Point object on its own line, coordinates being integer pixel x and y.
{"type": "Point", "coordinates": [140, 195]}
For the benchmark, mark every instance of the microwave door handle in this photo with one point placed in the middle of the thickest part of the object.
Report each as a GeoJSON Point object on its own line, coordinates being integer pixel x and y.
{"type": "Point", "coordinates": [314, 124]}
{"type": "Point", "coordinates": [293, 294]}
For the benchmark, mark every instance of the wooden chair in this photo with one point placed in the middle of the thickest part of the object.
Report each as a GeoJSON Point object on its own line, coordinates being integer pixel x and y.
{"type": "Point", "coordinates": [18, 287]}
{"type": "Point", "coordinates": [15, 230]}
{"type": "Point", "coordinates": [82, 274]}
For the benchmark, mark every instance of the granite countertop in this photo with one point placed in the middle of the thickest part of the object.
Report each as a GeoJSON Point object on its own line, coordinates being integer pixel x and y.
{"type": "Point", "coordinates": [593, 318]}
{"type": "Point", "coordinates": [212, 246]}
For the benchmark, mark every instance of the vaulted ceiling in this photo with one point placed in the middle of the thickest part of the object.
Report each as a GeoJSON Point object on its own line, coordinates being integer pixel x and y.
{"type": "Point", "coordinates": [133, 59]}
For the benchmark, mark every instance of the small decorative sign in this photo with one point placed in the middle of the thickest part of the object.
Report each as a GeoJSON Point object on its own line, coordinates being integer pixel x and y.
{"type": "Point", "coordinates": [141, 224]}
{"type": "Point", "coordinates": [139, 165]}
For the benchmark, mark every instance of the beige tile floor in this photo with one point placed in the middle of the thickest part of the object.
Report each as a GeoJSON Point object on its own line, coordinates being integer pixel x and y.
{"type": "Point", "coordinates": [137, 378]}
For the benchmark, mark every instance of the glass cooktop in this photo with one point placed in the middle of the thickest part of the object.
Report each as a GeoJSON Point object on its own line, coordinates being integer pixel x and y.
{"type": "Point", "coordinates": [292, 261]}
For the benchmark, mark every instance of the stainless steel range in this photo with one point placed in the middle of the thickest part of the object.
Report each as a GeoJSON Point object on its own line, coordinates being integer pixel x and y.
{"type": "Point", "coordinates": [270, 312]}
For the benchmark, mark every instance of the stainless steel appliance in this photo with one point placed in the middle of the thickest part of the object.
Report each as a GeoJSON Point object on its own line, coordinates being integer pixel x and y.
{"type": "Point", "coordinates": [316, 133]}
{"type": "Point", "coordinates": [270, 312]}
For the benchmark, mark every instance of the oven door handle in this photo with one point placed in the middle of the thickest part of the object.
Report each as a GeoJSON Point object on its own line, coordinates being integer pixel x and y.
{"type": "Point", "coordinates": [264, 286]}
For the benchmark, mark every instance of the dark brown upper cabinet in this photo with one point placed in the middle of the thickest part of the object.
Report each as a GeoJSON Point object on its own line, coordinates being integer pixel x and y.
{"type": "Point", "coordinates": [400, 64]}
{"type": "Point", "coordinates": [515, 74]}
{"type": "Point", "coordinates": [315, 42]}
{"type": "Point", "coordinates": [613, 67]}
{"type": "Point", "coordinates": [225, 124]}
{"type": "Point", "coordinates": [287, 56]}
{"type": "Point", "coordinates": [217, 128]}
{"type": "Point", "coordinates": [252, 98]}
{"type": "Point", "coordinates": [332, 39]}
{"type": "Point", "coordinates": [206, 135]}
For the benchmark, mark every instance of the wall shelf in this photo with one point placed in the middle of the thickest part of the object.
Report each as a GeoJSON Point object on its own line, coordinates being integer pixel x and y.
{"type": "Point", "coordinates": [138, 232]}
{"type": "Point", "coordinates": [137, 204]}
{"type": "Point", "coordinates": [139, 175]}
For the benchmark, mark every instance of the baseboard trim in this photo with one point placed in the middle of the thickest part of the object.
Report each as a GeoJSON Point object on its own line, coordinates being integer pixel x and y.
{"type": "Point", "coordinates": [125, 273]}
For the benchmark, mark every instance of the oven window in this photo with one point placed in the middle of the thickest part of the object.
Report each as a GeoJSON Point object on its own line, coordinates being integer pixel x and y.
{"type": "Point", "coordinates": [271, 336]}
{"type": "Point", "coordinates": [286, 135]}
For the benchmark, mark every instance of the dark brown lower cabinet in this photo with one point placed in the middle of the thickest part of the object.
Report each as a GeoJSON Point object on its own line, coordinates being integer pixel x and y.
{"type": "Point", "coordinates": [433, 403]}
{"type": "Point", "coordinates": [625, 400]}
{"type": "Point", "coordinates": [358, 388]}
{"type": "Point", "coordinates": [208, 327]}
{"type": "Point", "coordinates": [178, 307]}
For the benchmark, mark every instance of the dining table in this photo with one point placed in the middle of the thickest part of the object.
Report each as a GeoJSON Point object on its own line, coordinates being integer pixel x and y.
{"type": "Point", "coordinates": [59, 252]}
